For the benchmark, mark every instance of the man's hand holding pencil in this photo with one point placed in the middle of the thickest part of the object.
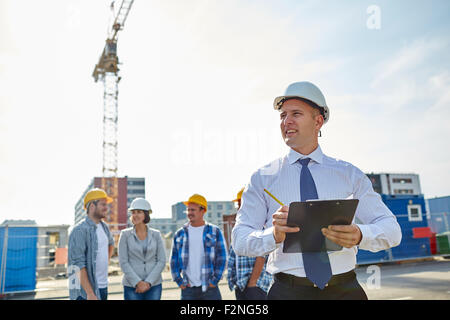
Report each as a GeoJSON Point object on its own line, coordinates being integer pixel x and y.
{"type": "Point", "coordinates": [279, 221]}
{"type": "Point", "coordinates": [280, 228]}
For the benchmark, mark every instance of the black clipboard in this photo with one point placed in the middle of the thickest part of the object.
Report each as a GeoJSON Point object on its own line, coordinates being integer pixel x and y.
{"type": "Point", "coordinates": [311, 217]}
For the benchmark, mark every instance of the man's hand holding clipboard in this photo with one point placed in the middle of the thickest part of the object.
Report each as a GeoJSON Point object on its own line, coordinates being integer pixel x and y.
{"type": "Point", "coordinates": [346, 236]}
{"type": "Point", "coordinates": [341, 234]}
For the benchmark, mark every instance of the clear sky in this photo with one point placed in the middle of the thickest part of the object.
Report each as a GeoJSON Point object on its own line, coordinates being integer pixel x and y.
{"type": "Point", "coordinates": [198, 82]}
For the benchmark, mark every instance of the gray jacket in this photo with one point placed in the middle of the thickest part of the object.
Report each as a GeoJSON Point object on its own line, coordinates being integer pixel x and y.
{"type": "Point", "coordinates": [137, 267]}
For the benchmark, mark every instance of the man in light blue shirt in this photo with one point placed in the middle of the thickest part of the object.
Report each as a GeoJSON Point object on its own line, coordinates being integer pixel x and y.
{"type": "Point", "coordinates": [261, 225]}
{"type": "Point", "coordinates": [91, 246]}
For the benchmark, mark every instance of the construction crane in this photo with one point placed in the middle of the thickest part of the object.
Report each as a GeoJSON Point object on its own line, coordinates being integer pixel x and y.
{"type": "Point", "coordinates": [107, 70]}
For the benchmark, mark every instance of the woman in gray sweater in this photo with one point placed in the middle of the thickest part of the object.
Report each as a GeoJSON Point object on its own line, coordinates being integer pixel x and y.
{"type": "Point", "coordinates": [141, 255]}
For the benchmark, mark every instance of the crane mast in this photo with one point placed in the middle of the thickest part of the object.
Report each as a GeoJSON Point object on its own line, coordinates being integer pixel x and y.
{"type": "Point", "coordinates": [107, 71]}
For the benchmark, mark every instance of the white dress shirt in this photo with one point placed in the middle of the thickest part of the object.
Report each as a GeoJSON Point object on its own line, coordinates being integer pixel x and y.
{"type": "Point", "coordinates": [334, 179]}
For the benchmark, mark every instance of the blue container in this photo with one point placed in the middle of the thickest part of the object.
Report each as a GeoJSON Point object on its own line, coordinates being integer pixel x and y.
{"type": "Point", "coordinates": [409, 247]}
{"type": "Point", "coordinates": [368, 257]}
{"type": "Point", "coordinates": [19, 269]}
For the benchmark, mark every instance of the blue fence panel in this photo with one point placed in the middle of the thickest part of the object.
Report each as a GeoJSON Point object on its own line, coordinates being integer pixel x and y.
{"type": "Point", "coordinates": [439, 217]}
{"type": "Point", "coordinates": [19, 262]}
{"type": "Point", "coordinates": [439, 222]}
{"type": "Point", "coordinates": [437, 205]}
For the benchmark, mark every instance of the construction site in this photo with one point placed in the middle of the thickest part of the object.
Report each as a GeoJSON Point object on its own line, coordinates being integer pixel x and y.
{"type": "Point", "coordinates": [34, 255]}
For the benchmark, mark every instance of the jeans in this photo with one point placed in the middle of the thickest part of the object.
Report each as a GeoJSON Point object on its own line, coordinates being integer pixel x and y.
{"type": "Point", "coordinates": [195, 293]}
{"type": "Point", "coordinates": [103, 294]}
{"type": "Point", "coordinates": [154, 293]}
{"type": "Point", "coordinates": [250, 293]}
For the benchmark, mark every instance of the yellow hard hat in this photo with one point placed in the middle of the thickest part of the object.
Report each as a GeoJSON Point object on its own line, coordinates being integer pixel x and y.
{"type": "Point", "coordinates": [239, 195]}
{"type": "Point", "coordinates": [96, 194]}
{"type": "Point", "coordinates": [198, 199]}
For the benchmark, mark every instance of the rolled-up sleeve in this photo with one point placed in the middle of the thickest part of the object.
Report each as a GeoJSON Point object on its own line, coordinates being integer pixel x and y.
{"type": "Point", "coordinates": [248, 236]}
{"type": "Point", "coordinates": [379, 227]}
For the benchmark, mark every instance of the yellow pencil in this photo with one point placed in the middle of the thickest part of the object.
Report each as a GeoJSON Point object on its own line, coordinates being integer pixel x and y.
{"type": "Point", "coordinates": [281, 203]}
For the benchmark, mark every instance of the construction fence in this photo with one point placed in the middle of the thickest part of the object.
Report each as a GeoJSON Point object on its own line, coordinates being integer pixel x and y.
{"type": "Point", "coordinates": [28, 253]}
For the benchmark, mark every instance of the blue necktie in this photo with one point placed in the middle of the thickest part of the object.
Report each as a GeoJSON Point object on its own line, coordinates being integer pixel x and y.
{"type": "Point", "coordinates": [317, 264]}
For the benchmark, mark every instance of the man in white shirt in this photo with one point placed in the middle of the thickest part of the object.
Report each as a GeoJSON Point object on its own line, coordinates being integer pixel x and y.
{"type": "Point", "coordinates": [304, 174]}
{"type": "Point", "coordinates": [91, 245]}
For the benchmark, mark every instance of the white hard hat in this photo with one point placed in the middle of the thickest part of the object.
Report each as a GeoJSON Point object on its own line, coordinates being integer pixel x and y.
{"type": "Point", "coordinates": [140, 204]}
{"type": "Point", "coordinates": [305, 90]}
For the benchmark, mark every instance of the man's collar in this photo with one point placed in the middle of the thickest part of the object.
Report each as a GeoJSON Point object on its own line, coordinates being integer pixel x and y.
{"type": "Point", "coordinates": [316, 155]}
{"type": "Point", "coordinates": [90, 222]}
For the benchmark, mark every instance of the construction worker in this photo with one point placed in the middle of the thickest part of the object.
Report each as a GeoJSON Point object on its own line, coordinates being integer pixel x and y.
{"type": "Point", "coordinates": [198, 254]}
{"type": "Point", "coordinates": [247, 276]}
{"type": "Point", "coordinates": [305, 173]}
{"type": "Point", "coordinates": [91, 246]}
{"type": "Point", "coordinates": [142, 255]}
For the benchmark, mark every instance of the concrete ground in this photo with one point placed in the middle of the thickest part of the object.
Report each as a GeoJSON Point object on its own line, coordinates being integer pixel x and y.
{"type": "Point", "coordinates": [424, 280]}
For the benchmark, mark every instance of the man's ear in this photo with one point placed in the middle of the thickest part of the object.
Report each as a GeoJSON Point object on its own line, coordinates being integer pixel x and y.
{"type": "Point", "coordinates": [319, 121]}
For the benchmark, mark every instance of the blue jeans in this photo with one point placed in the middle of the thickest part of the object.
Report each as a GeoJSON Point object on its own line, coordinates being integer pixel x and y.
{"type": "Point", "coordinates": [195, 293]}
{"type": "Point", "coordinates": [250, 293]}
{"type": "Point", "coordinates": [154, 293]}
{"type": "Point", "coordinates": [103, 294]}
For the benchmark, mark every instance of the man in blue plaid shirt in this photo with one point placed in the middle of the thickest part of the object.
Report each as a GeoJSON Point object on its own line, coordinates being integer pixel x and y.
{"type": "Point", "coordinates": [247, 275]}
{"type": "Point", "coordinates": [199, 255]}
